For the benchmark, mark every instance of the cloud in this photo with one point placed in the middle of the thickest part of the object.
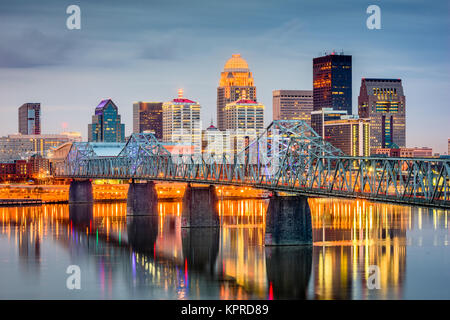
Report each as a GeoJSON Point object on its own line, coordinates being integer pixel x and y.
{"type": "Point", "coordinates": [34, 48]}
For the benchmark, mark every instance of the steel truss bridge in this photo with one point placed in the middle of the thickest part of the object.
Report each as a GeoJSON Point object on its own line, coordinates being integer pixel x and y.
{"type": "Point", "coordinates": [289, 156]}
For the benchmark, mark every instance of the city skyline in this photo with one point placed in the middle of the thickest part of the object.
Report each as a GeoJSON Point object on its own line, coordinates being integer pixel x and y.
{"type": "Point", "coordinates": [68, 84]}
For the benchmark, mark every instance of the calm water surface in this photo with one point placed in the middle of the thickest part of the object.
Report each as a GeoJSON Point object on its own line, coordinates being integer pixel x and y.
{"type": "Point", "coordinates": [126, 257]}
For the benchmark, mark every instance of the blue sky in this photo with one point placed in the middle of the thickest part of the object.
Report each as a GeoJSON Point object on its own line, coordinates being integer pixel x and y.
{"type": "Point", "coordinates": [146, 50]}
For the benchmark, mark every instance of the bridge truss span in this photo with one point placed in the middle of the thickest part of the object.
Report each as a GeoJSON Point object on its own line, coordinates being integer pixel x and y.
{"type": "Point", "coordinates": [287, 157]}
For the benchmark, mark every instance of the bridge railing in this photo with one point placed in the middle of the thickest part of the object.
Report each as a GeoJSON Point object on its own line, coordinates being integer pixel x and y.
{"type": "Point", "coordinates": [425, 181]}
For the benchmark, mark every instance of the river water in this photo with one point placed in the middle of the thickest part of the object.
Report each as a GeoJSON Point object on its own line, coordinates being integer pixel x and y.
{"type": "Point", "coordinates": [135, 257]}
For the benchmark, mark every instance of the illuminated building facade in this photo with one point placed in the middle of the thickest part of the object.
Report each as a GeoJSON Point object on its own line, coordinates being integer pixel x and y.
{"type": "Point", "coordinates": [383, 102]}
{"type": "Point", "coordinates": [319, 117]}
{"type": "Point", "coordinates": [30, 118]}
{"type": "Point", "coordinates": [106, 126]}
{"type": "Point", "coordinates": [350, 134]}
{"type": "Point", "coordinates": [244, 114]}
{"type": "Point", "coordinates": [181, 122]}
{"type": "Point", "coordinates": [147, 117]}
{"type": "Point", "coordinates": [244, 121]}
{"type": "Point", "coordinates": [292, 105]}
{"type": "Point", "coordinates": [16, 170]}
{"type": "Point", "coordinates": [332, 82]}
{"type": "Point", "coordinates": [235, 78]}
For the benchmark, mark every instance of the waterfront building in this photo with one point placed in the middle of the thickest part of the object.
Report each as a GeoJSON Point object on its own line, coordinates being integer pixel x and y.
{"type": "Point", "coordinates": [147, 117]}
{"type": "Point", "coordinates": [30, 118]}
{"type": "Point", "coordinates": [332, 82]}
{"type": "Point", "coordinates": [181, 122]}
{"type": "Point", "coordinates": [382, 101]}
{"type": "Point", "coordinates": [38, 165]}
{"type": "Point", "coordinates": [319, 117]}
{"type": "Point", "coordinates": [235, 78]}
{"type": "Point", "coordinates": [17, 170]}
{"type": "Point", "coordinates": [292, 105]}
{"type": "Point", "coordinates": [106, 125]}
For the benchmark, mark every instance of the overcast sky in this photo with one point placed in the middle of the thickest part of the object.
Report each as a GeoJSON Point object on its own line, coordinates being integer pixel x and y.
{"type": "Point", "coordinates": [146, 50]}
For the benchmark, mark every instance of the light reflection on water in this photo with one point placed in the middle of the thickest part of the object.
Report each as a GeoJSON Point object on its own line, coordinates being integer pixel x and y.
{"type": "Point", "coordinates": [153, 257]}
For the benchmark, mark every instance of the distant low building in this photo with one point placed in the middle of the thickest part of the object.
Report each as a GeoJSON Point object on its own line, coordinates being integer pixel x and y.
{"type": "Point", "coordinates": [395, 151]}
{"type": "Point", "coordinates": [21, 147]}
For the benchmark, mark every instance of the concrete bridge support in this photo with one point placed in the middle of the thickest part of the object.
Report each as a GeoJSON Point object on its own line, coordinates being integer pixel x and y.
{"type": "Point", "coordinates": [289, 270]}
{"type": "Point", "coordinates": [81, 215]}
{"type": "Point", "coordinates": [80, 191]}
{"type": "Point", "coordinates": [201, 248]}
{"type": "Point", "coordinates": [142, 199]}
{"type": "Point", "coordinates": [142, 233]}
{"type": "Point", "coordinates": [288, 221]}
{"type": "Point", "coordinates": [200, 207]}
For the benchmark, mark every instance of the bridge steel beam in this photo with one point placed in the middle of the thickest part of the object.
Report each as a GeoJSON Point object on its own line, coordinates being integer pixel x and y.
{"type": "Point", "coordinates": [288, 157]}
{"type": "Point", "coordinates": [80, 191]}
{"type": "Point", "coordinates": [142, 199]}
{"type": "Point", "coordinates": [199, 207]}
{"type": "Point", "coordinates": [288, 221]}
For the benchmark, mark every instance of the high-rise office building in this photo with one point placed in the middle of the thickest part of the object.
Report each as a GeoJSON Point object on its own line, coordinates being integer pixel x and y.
{"type": "Point", "coordinates": [30, 118]}
{"type": "Point", "coordinates": [106, 126]}
{"type": "Point", "coordinates": [292, 105]}
{"type": "Point", "coordinates": [332, 82]}
{"type": "Point", "coordinates": [383, 102]}
{"type": "Point", "coordinates": [181, 122]}
{"type": "Point", "coordinates": [349, 134]}
{"type": "Point", "coordinates": [147, 117]}
{"type": "Point", "coordinates": [235, 78]}
{"type": "Point", "coordinates": [320, 117]}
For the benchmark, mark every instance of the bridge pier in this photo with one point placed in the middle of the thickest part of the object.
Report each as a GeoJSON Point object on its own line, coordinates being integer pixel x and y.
{"type": "Point", "coordinates": [201, 248]}
{"type": "Point", "coordinates": [142, 199]}
{"type": "Point", "coordinates": [288, 221]}
{"type": "Point", "coordinates": [80, 191]}
{"type": "Point", "coordinates": [200, 207]}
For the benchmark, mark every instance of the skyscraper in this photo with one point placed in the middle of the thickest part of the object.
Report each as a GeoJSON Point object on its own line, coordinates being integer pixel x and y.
{"type": "Point", "coordinates": [30, 118]}
{"type": "Point", "coordinates": [292, 105]}
{"type": "Point", "coordinates": [332, 82]}
{"type": "Point", "coordinates": [383, 102]}
{"type": "Point", "coordinates": [181, 122]}
{"type": "Point", "coordinates": [147, 116]}
{"type": "Point", "coordinates": [106, 126]}
{"type": "Point", "coordinates": [235, 78]}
